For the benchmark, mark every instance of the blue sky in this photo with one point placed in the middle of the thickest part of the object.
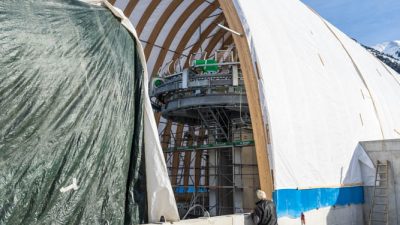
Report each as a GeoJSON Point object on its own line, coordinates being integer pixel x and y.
{"type": "Point", "coordinates": [369, 21]}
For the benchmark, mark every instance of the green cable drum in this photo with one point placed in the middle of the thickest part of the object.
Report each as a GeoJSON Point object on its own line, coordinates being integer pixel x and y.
{"type": "Point", "coordinates": [157, 82]}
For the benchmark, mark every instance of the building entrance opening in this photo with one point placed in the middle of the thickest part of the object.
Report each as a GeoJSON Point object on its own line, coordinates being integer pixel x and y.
{"type": "Point", "coordinates": [206, 133]}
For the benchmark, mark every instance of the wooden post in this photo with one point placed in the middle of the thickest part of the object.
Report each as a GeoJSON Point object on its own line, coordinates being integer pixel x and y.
{"type": "Point", "coordinates": [166, 137]}
{"type": "Point", "coordinates": [198, 158]}
{"type": "Point", "coordinates": [188, 158]}
{"type": "Point", "coordinates": [176, 154]}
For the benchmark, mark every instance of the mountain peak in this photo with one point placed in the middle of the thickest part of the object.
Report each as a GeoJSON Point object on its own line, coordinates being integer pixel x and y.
{"type": "Point", "coordinates": [391, 48]}
{"type": "Point", "coordinates": [380, 52]}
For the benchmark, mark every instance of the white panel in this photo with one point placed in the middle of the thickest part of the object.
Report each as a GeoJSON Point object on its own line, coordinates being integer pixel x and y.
{"type": "Point", "coordinates": [195, 37]}
{"type": "Point", "coordinates": [138, 12]}
{"type": "Point", "coordinates": [121, 4]}
{"type": "Point", "coordinates": [164, 33]}
{"type": "Point", "coordinates": [172, 20]}
{"type": "Point", "coordinates": [188, 23]}
{"type": "Point", "coordinates": [152, 60]}
{"type": "Point", "coordinates": [153, 19]}
{"type": "Point", "coordinates": [209, 38]}
{"type": "Point", "coordinates": [382, 83]}
{"type": "Point", "coordinates": [319, 107]}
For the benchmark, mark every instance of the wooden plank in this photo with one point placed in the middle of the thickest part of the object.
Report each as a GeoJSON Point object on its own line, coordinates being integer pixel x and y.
{"type": "Point", "coordinates": [146, 15]}
{"type": "Point", "coordinates": [214, 41]}
{"type": "Point", "coordinates": [173, 32]}
{"type": "Point", "coordinates": [192, 30]}
{"type": "Point", "coordinates": [159, 25]}
{"type": "Point", "coordinates": [228, 41]}
{"type": "Point", "coordinates": [129, 8]}
{"type": "Point", "coordinates": [176, 155]}
{"type": "Point", "coordinates": [253, 98]}
{"type": "Point", "coordinates": [188, 159]}
{"type": "Point", "coordinates": [203, 36]}
{"type": "Point", "coordinates": [166, 137]}
{"type": "Point", "coordinates": [198, 159]}
{"type": "Point", "coordinates": [157, 116]}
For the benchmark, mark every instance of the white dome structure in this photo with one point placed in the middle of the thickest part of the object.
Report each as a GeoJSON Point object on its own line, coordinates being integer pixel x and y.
{"type": "Point", "coordinates": [313, 92]}
{"type": "Point", "coordinates": [245, 94]}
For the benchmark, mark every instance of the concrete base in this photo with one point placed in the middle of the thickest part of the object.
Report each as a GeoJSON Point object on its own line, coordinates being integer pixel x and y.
{"type": "Point", "coordinates": [339, 215]}
{"type": "Point", "coordinates": [236, 219]}
{"type": "Point", "coordinates": [385, 150]}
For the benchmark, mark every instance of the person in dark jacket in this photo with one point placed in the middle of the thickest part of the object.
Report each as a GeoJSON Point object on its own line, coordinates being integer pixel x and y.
{"type": "Point", "coordinates": [264, 213]}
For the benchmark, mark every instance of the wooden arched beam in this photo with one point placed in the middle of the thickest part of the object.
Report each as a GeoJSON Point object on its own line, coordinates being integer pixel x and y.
{"type": "Point", "coordinates": [171, 35]}
{"type": "Point", "coordinates": [214, 41]}
{"type": "Point", "coordinates": [166, 137]}
{"type": "Point", "coordinates": [159, 25]}
{"type": "Point", "coordinates": [251, 84]}
{"type": "Point", "coordinates": [228, 41]}
{"type": "Point", "coordinates": [129, 8]}
{"type": "Point", "coordinates": [198, 159]}
{"type": "Point", "coordinates": [203, 37]}
{"type": "Point", "coordinates": [112, 2]}
{"type": "Point", "coordinates": [176, 154]}
{"type": "Point", "coordinates": [157, 116]}
{"type": "Point", "coordinates": [188, 158]}
{"type": "Point", "coordinates": [146, 15]}
{"type": "Point", "coordinates": [192, 29]}
{"type": "Point", "coordinates": [213, 47]}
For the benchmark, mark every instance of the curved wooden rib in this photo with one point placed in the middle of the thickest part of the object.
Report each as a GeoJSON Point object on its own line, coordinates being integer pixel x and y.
{"type": "Point", "coordinates": [212, 46]}
{"type": "Point", "coordinates": [176, 155]}
{"type": "Point", "coordinates": [166, 137]}
{"type": "Point", "coordinates": [146, 15]}
{"type": "Point", "coordinates": [129, 8]}
{"type": "Point", "coordinates": [112, 1]}
{"type": "Point", "coordinates": [159, 25]}
{"type": "Point", "coordinates": [192, 29]}
{"type": "Point", "coordinates": [157, 116]}
{"type": "Point", "coordinates": [214, 41]}
{"type": "Point", "coordinates": [198, 158]}
{"type": "Point", "coordinates": [171, 35]}
{"type": "Point", "coordinates": [228, 41]}
{"type": "Point", "coordinates": [252, 92]}
{"type": "Point", "coordinates": [188, 158]}
{"type": "Point", "coordinates": [203, 36]}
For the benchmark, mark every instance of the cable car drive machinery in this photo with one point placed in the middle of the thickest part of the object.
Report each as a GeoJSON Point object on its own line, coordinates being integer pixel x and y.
{"type": "Point", "coordinates": [206, 133]}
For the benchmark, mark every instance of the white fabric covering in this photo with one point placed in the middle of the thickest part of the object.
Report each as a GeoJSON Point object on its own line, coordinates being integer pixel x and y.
{"type": "Point", "coordinates": [324, 93]}
{"type": "Point", "coordinates": [160, 197]}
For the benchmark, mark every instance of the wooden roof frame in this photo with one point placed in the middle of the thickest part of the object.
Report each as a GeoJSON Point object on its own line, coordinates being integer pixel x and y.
{"type": "Point", "coordinates": [249, 72]}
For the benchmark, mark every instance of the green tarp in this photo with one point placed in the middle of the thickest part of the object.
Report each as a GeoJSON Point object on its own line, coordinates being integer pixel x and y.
{"type": "Point", "coordinates": [70, 107]}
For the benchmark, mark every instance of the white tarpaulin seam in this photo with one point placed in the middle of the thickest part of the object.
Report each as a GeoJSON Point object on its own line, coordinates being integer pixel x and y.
{"type": "Point", "coordinates": [357, 70]}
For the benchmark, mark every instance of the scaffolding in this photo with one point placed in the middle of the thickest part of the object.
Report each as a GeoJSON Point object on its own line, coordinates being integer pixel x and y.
{"type": "Point", "coordinates": [206, 135]}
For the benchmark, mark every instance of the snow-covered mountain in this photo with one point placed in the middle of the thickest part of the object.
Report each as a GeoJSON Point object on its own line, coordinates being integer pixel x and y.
{"type": "Point", "coordinates": [387, 52]}
{"type": "Point", "coordinates": [391, 48]}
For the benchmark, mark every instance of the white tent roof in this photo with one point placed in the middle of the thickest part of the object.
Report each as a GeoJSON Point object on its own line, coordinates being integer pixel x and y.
{"type": "Point", "coordinates": [322, 92]}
